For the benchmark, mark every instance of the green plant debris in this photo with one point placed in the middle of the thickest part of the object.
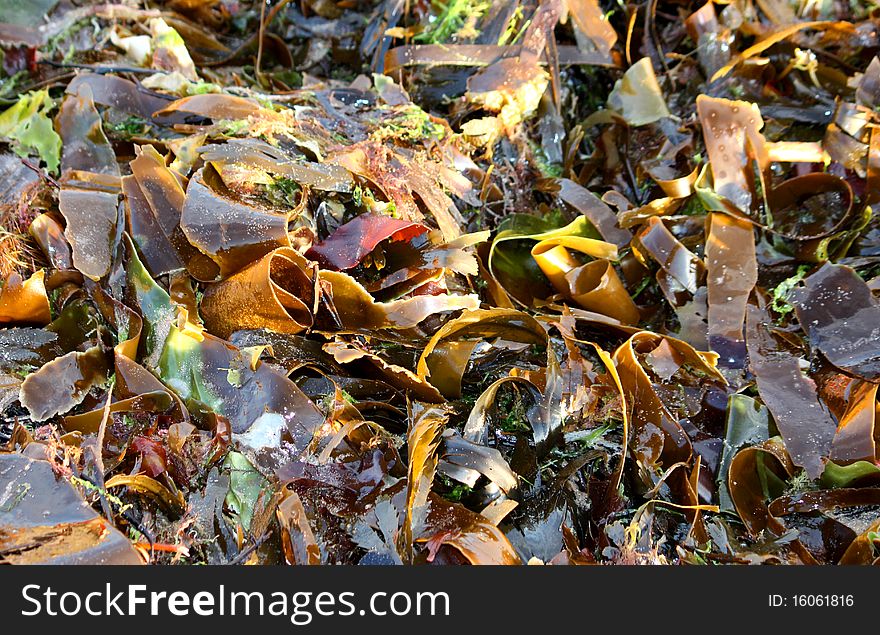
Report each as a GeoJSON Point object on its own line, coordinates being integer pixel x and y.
{"type": "Point", "coordinates": [453, 18]}
{"type": "Point", "coordinates": [27, 125]}
{"type": "Point", "coordinates": [780, 294]}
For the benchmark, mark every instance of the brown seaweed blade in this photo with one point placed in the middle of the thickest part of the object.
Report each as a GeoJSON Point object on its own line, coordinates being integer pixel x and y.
{"type": "Point", "coordinates": [423, 438]}
{"type": "Point", "coordinates": [477, 459]}
{"type": "Point", "coordinates": [62, 383]}
{"type": "Point", "coordinates": [275, 293]}
{"type": "Point", "coordinates": [480, 323]}
{"type": "Point", "coordinates": [802, 420]}
{"type": "Point", "coordinates": [155, 197]}
{"type": "Point", "coordinates": [824, 500]}
{"type": "Point", "coordinates": [732, 132]}
{"type": "Point", "coordinates": [212, 106]}
{"type": "Point", "coordinates": [842, 319]}
{"type": "Point", "coordinates": [395, 375]}
{"type": "Point", "coordinates": [119, 93]}
{"type": "Point", "coordinates": [212, 374]}
{"type": "Point", "coordinates": [599, 214]}
{"type": "Point", "coordinates": [764, 43]}
{"type": "Point", "coordinates": [89, 205]}
{"type": "Point", "coordinates": [259, 154]}
{"type": "Point", "coordinates": [594, 286]}
{"type": "Point", "coordinates": [25, 301]}
{"type": "Point", "coordinates": [50, 523]}
{"type": "Point", "coordinates": [660, 439]}
{"type": "Point", "coordinates": [477, 55]}
{"type": "Point", "coordinates": [590, 21]}
{"type": "Point", "coordinates": [49, 235]}
{"type": "Point", "coordinates": [673, 257]}
{"type": "Point", "coordinates": [732, 272]}
{"type": "Point", "coordinates": [746, 489]}
{"type": "Point", "coordinates": [231, 233]}
{"type": "Point", "coordinates": [863, 549]}
{"type": "Point", "coordinates": [91, 225]}
{"type": "Point", "coordinates": [637, 95]}
{"type": "Point", "coordinates": [159, 254]}
{"type": "Point", "coordinates": [85, 146]}
{"type": "Point", "coordinates": [812, 206]}
{"type": "Point", "coordinates": [298, 539]}
{"type": "Point", "coordinates": [855, 436]}
{"type": "Point", "coordinates": [472, 534]}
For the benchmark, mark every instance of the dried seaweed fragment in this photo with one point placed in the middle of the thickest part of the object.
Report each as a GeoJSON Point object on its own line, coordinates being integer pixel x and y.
{"type": "Point", "coordinates": [637, 95]}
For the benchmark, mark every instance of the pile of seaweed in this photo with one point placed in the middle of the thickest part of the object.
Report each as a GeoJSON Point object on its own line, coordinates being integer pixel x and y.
{"type": "Point", "coordinates": [447, 282]}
